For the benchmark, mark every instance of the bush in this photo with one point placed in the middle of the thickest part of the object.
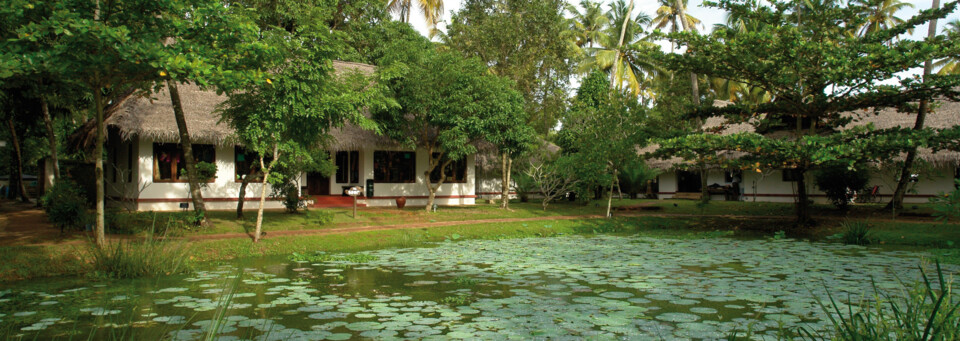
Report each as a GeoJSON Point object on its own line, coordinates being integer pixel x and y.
{"type": "Point", "coordinates": [524, 185]}
{"type": "Point", "coordinates": [840, 182]}
{"type": "Point", "coordinates": [946, 206]}
{"type": "Point", "coordinates": [66, 206]}
{"type": "Point", "coordinates": [290, 193]}
{"type": "Point", "coordinates": [855, 233]}
{"type": "Point", "coordinates": [634, 178]}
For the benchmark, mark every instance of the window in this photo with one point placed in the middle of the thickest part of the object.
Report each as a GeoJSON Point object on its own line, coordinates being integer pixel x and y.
{"type": "Point", "coordinates": [730, 175]}
{"type": "Point", "coordinates": [456, 171]}
{"type": "Point", "coordinates": [791, 175]}
{"type": "Point", "coordinates": [394, 167]}
{"type": "Point", "coordinates": [168, 162]}
{"type": "Point", "coordinates": [348, 167]}
{"type": "Point", "coordinates": [247, 163]}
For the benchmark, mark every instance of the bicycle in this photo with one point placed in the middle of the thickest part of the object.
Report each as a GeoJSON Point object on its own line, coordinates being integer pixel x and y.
{"type": "Point", "coordinates": [871, 196]}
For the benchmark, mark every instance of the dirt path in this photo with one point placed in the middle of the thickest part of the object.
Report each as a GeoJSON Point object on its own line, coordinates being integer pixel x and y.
{"type": "Point", "coordinates": [25, 224]}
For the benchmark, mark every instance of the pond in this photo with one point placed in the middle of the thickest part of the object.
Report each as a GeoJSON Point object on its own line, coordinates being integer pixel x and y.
{"type": "Point", "coordinates": [568, 287]}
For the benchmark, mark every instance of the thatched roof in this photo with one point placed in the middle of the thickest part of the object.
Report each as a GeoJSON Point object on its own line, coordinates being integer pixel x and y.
{"type": "Point", "coordinates": [945, 114]}
{"type": "Point", "coordinates": [151, 115]}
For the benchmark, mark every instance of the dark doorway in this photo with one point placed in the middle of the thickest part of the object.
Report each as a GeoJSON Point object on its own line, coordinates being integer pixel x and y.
{"type": "Point", "coordinates": [317, 184]}
{"type": "Point", "coordinates": [688, 182]}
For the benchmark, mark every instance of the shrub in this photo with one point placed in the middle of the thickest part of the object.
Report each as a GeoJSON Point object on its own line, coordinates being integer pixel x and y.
{"type": "Point", "coordinates": [946, 206]}
{"type": "Point", "coordinates": [840, 182]}
{"type": "Point", "coordinates": [634, 178]}
{"type": "Point", "coordinates": [65, 205]}
{"type": "Point", "coordinates": [290, 193]}
{"type": "Point", "coordinates": [855, 233]}
{"type": "Point", "coordinates": [524, 185]}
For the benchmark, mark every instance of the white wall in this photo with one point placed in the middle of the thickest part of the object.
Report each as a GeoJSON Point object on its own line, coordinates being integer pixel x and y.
{"type": "Point", "coordinates": [770, 187]}
{"type": "Point", "coordinates": [222, 194]}
{"type": "Point", "coordinates": [385, 194]}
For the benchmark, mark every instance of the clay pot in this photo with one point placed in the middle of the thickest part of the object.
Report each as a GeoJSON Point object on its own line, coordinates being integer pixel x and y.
{"type": "Point", "coordinates": [401, 202]}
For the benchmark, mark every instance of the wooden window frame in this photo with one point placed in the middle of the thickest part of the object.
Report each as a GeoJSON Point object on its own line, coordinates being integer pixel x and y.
{"type": "Point", "coordinates": [451, 177]}
{"type": "Point", "coordinates": [173, 170]}
{"type": "Point", "coordinates": [390, 167]}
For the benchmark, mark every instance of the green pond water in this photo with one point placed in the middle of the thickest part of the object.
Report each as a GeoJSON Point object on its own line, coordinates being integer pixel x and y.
{"type": "Point", "coordinates": [571, 287]}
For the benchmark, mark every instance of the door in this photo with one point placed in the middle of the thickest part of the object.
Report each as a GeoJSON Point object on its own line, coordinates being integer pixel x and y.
{"type": "Point", "coordinates": [688, 182]}
{"type": "Point", "coordinates": [317, 184]}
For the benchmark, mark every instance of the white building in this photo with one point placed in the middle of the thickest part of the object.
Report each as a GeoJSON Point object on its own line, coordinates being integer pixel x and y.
{"type": "Point", "coordinates": [144, 168]}
{"type": "Point", "coordinates": [935, 171]}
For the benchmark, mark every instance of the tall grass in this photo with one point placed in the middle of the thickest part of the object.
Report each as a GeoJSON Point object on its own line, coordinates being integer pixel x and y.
{"type": "Point", "coordinates": [152, 256]}
{"type": "Point", "coordinates": [855, 232]}
{"type": "Point", "coordinates": [923, 311]}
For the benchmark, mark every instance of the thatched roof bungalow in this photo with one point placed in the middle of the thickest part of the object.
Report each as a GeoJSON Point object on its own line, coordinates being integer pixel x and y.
{"type": "Point", "coordinates": [936, 174]}
{"type": "Point", "coordinates": [144, 167]}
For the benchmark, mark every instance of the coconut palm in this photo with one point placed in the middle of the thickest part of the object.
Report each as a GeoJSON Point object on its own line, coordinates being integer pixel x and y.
{"type": "Point", "coordinates": [880, 15]}
{"type": "Point", "coordinates": [588, 25]}
{"type": "Point", "coordinates": [950, 65]}
{"type": "Point", "coordinates": [669, 15]}
{"type": "Point", "coordinates": [432, 10]}
{"type": "Point", "coordinates": [635, 68]}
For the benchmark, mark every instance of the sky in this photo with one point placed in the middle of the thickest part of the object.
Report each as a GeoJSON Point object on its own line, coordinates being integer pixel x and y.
{"type": "Point", "coordinates": [708, 16]}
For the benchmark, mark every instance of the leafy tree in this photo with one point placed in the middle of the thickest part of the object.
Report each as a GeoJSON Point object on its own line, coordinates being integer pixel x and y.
{"type": "Point", "coordinates": [447, 104]}
{"type": "Point", "coordinates": [669, 14]}
{"type": "Point", "coordinates": [286, 118]}
{"type": "Point", "coordinates": [841, 183]}
{"type": "Point", "coordinates": [629, 62]}
{"type": "Point", "coordinates": [814, 72]}
{"type": "Point", "coordinates": [107, 46]}
{"type": "Point", "coordinates": [523, 41]}
{"type": "Point", "coordinates": [602, 130]}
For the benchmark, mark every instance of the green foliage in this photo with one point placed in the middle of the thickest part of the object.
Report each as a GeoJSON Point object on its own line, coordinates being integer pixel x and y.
{"type": "Point", "coordinates": [808, 63]}
{"type": "Point", "coordinates": [946, 206]}
{"type": "Point", "coordinates": [465, 281]}
{"type": "Point", "coordinates": [321, 257]}
{"type": "Point", "coordinates": [923, 311]}
{"type": "Point", "coordinates": [855, 232]}
{"type": "Point", "coordinates": [524, 185]}
{"type": "Point", "coordinates": [66, 205]}
{"type": "Point", "coordinates": [319, 217]}
{"type": "Point", "coordinates": [462, 298]}
{"type": "Point", "coordinates": [289, 192]}
{"type": "Point", "coordinates": [840, 183]}
{"type": "Point", "coordinates": [151, 257]}
{"type": "Point", "coordinates": [523, 41]}
{"type": "Point", "coordinates": [634, 178]}
{"type": "Point", "coordinates": [206, 171]}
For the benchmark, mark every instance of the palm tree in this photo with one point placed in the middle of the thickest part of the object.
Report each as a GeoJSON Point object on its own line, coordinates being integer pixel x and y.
{"type": "Point", "coordinates": [669, 15]}
{"type": "Point", "coordinates": [635, 69]}
{"type": "Point", "coordinates": [432, 10]}
{"type": "Point", "coordinates": [880, 16]}
{"type": "Point", "coordinates": [950, 66]}
{"type": "Point", "coordinates": [588, 25]}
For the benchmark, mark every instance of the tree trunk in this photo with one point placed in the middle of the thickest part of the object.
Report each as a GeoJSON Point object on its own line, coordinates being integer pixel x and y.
{"type": "Point", "coordinates": [616, 57]}
{"type": "Point", "coordinates": [897, 201]}
{"type": "Point", "coordinates": [694, 84]}
{"type": "Point", "coordinates": [610, 195]}
{"type": "Point", "coordinates": [704, 190]}
{"type": "Point", "coordinates": [52, 137]}
{"type": "Point", "coordinates": [100, 238]}
{"type": "Point", "coordinates": [18, 153]}
{"type": "Point", "coordinates": [504, 181]}
{"type": "Point", "coordinates": [803, 205]}
{"type": "Point", "coordinates": [263, 192]}
{"type": "Point", "coordinates": [187, 146]}
{"type": "Point", "coordinates": [443, 177]}
{"type": "Point", "coordinates": [243, 194]}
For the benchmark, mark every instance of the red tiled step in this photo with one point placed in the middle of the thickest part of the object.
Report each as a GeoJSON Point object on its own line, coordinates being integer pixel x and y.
{"type": "Point", "coordinates": [334, 201]}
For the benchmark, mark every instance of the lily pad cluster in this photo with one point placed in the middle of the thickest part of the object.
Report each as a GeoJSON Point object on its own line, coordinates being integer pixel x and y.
{"type": "Point", "coordinates": [573, 287]}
